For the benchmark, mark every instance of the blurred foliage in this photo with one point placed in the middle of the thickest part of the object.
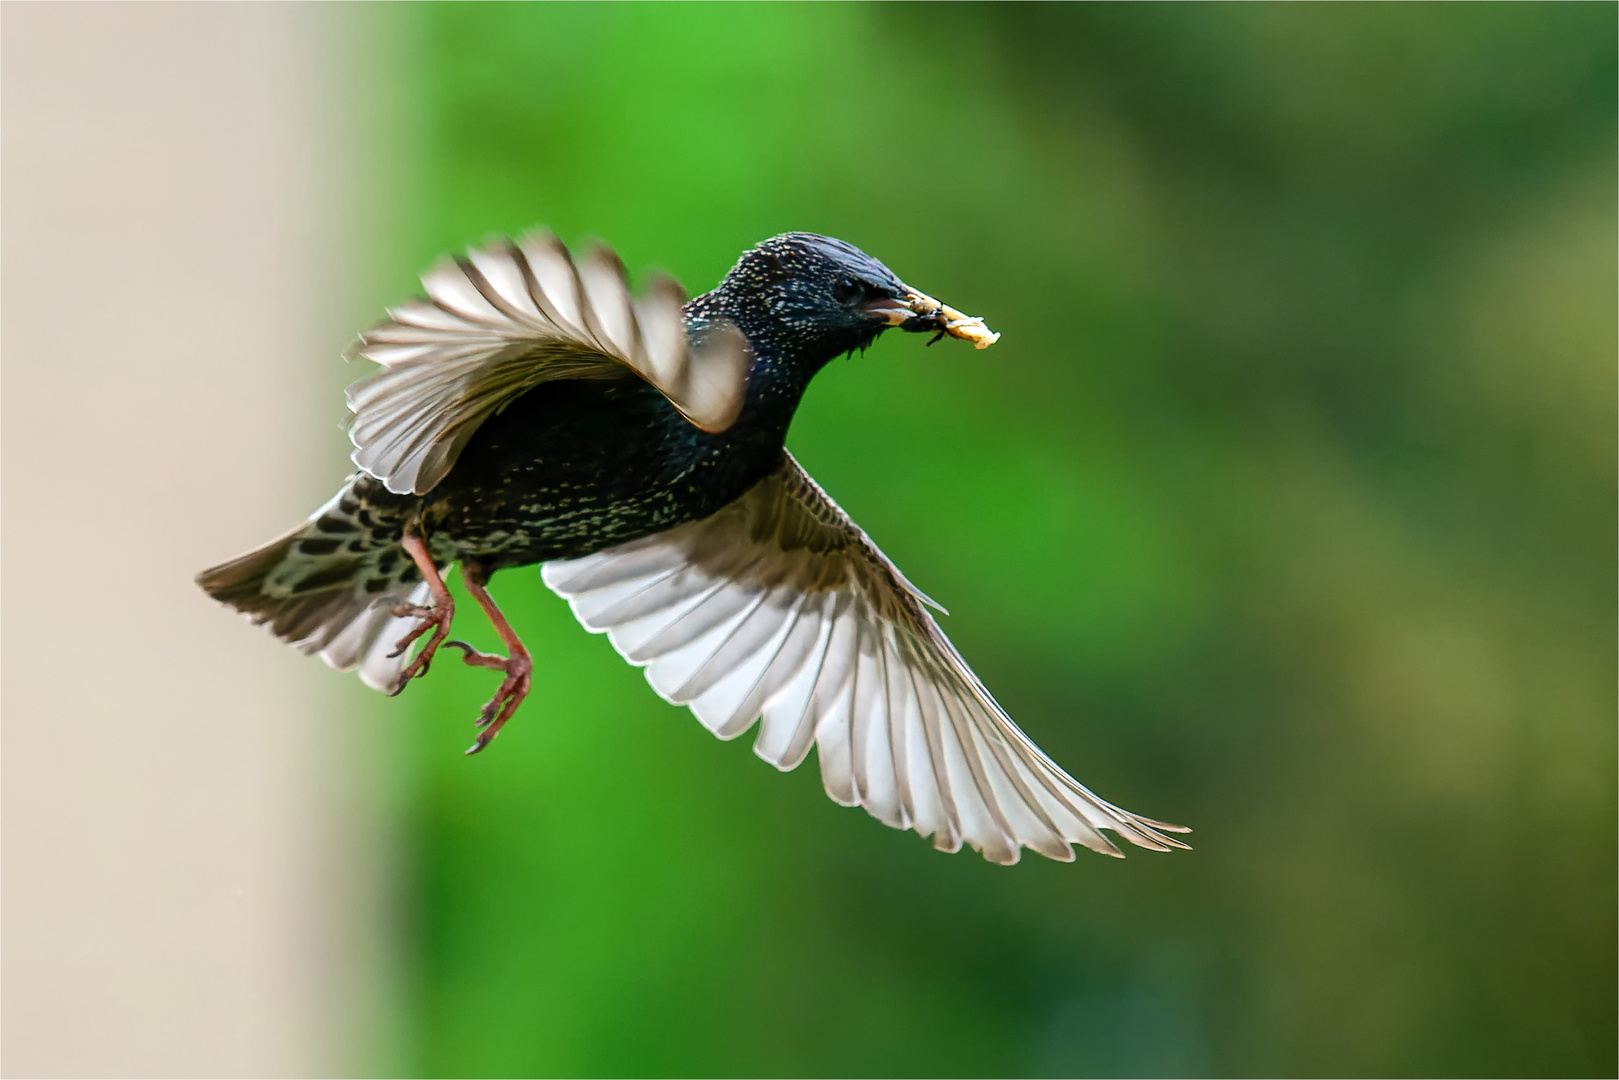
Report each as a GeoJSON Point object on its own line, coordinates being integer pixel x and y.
{"type": "Point", "coordinates": [1284, 509]}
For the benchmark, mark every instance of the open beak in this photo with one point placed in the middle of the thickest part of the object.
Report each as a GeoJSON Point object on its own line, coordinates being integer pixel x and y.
{"type": "Point", "coordinates": [920, 313]}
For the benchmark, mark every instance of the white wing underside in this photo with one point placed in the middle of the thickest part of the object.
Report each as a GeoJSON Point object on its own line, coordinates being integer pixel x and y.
{"type": "Point", "coordinates": [511, 316]}
{"type": "Point", "coordinates": [779, 608]}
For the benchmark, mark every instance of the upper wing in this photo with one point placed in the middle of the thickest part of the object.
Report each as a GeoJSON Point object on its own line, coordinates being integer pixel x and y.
{"type": "Point", "coordinates": [781, 606]}
{"type": "Point", "coordinates": [508, 317]}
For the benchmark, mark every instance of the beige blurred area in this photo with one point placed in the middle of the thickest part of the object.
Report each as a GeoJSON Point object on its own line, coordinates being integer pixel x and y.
{"type": "Point", "coordinates": [195, 818]}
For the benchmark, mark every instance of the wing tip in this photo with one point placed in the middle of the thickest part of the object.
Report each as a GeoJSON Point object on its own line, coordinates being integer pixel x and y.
{"type": "Point", "coordinates": [1162, 826]}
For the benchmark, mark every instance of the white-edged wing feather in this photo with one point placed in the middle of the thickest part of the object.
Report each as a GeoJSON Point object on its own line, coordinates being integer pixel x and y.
{"type": "Point", "coordinates": [778, 608]}
{"type": "Point", "coordinates": [506, 318]}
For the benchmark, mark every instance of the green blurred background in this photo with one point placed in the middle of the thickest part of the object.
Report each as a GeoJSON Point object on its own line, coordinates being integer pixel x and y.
{"type": "Point", "coordinates": [1284, 509]}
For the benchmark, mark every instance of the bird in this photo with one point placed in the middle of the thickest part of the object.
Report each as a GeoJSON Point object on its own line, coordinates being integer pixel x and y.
{"type": "Point", "coordinates": [529, 409]}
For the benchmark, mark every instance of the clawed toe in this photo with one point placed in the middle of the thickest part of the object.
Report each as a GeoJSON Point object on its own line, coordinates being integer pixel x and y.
{"type": "Point", "coordinates": [473, 658]}
{"type": "Point", "coordinates": [411, 611]}
{"type": "Point", "coordinates": [436, 618]}
{"type": "Point", "coordinates": [513, 689]}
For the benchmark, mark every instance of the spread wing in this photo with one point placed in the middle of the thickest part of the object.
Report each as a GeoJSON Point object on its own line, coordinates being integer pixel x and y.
{"type": "Point", "coordinates": [780, 607]}
{"type": "Point", "coordinates": [508, 317]}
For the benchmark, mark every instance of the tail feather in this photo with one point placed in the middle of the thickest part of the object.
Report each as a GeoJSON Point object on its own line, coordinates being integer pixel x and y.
{"type": "Point", "coordinates": [327, 599]}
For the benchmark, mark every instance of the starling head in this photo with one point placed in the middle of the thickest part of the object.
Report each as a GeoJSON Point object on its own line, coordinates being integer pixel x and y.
{"type": "Point", "coordinates": [818, 297]}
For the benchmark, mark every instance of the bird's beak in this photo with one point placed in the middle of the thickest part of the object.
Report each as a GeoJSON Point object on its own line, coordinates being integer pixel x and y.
{"type": "Point", "coordinates": [920, 313]}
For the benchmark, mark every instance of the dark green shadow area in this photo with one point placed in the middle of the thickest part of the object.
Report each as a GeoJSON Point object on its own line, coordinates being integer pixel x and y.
{"type": "Point", "coordinates": [1284, 509]}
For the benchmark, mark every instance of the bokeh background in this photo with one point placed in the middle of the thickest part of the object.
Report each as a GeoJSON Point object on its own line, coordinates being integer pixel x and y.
{"type": "Point", "coordinates": [1284, 509]}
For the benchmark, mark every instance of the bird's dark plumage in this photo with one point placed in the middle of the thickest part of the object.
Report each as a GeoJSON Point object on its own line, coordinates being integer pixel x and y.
{"type": "Point", "coordinates": [531, 411]}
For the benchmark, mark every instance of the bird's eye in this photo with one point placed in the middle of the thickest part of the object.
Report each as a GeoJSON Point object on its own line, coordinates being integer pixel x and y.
{"type": "Point", "coordinates": [848, 291]}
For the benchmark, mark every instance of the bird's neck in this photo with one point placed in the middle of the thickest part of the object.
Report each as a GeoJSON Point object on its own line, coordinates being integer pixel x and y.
{"type": "Point", "coordinates": [783, 365]}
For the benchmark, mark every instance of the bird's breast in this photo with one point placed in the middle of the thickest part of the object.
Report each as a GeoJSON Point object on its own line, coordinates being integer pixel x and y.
{"type": "Point", "coordinates": [576, 466]}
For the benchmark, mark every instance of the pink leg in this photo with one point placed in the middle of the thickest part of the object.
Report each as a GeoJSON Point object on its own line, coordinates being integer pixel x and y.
{"type": "Point", "coordinates": [518, 667]}
{"type": "Point", "coordinates": [436, 618]}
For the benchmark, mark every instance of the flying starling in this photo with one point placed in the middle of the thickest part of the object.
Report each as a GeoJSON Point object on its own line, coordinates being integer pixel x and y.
{"type": "Point", "coordinates": [530, 410]}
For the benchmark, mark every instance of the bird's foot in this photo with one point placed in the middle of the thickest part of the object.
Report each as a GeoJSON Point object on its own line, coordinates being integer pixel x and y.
{"type": "Point", "coordinates": [518, 669]}
{"type": "Point", "coordinates": [437, 619]}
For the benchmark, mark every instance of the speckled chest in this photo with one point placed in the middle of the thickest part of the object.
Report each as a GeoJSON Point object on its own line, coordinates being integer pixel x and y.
{"type": "Point", "coordinates": [574, 467]}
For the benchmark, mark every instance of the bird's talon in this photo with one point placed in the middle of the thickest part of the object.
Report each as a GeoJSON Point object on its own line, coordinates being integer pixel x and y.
{"type": "Point", "coordinates": [473, 658]}
{"type": "Point", "coordinates": [513, 689]}
{"type": "Point", "coordinates": [437, 619]}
